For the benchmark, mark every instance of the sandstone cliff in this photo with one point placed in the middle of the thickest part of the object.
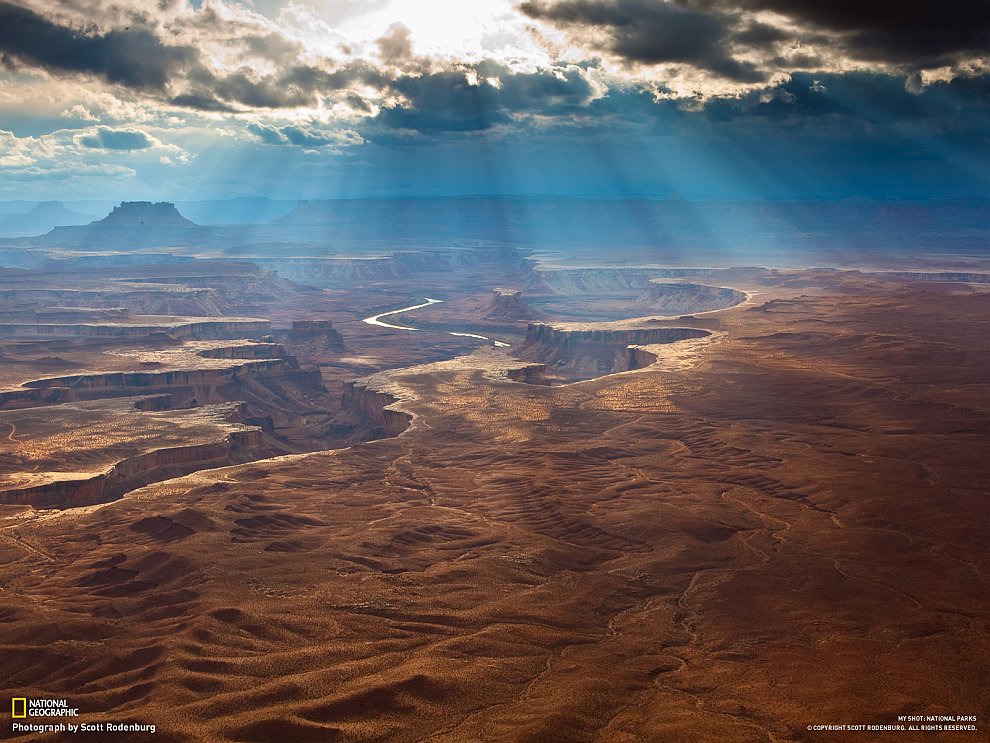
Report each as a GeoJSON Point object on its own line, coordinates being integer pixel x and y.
{"type": "Point", "coordinates": [676, 298]}
{"type": "Point", "coordinates": [180, 328]}
{"type": "Point", "coordinates": [376, 406]}
{"type": "Point", "coordinates": [135, 471]}
{"type": "Point", "coordinates": [610, 280]}
{"type": "Point", "coordinates": [581, 353]}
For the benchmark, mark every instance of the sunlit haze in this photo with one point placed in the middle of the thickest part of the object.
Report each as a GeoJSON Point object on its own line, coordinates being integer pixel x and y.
{"type": "Point", "coordinates": [327, 99]}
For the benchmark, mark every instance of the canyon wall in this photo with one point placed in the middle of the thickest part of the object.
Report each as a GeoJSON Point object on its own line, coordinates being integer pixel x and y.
{"type": "Point", "coordinates": [246, 351]}
{"type": "Point", "coordinates": [152, 466]}
{"type": "Point", "coordinates": [375, 406]}
{"type": "Point", "coordinates": [29, 398]}
{"type": "Point", "coordinates": [677, 298]}
{"type": "Point", "coordinates": [581, 353]}
{"type": "Point", "coordinates": [219, 329]}
{"type": "Point", "coordinates": [639, 358]}
{"type": "Point", "coordinates": [610, 280]}
{"type": "Point", "coordinates": [153, 300]}
{"type": "Point", "coordinates": [127, 382]}
{"type": "Point", "coordinates": [264, 362]}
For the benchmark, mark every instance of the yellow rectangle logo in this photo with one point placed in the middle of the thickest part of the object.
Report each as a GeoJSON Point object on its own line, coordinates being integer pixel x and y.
{"type": "Point", "coordinates": [18, 703]}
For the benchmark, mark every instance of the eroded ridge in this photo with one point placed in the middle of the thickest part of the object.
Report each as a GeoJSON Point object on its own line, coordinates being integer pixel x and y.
{"type": "Point", "coordinates": [688, 552]}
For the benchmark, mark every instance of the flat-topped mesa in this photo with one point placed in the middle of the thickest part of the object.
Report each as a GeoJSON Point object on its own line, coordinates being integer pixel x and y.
{"type": "Point", "coordinates": [507, 304]}
{"type": "Point", "coordinates": [145, 214]}
{"type": "Point", "coordinates": [677, 298]}
{"type": "Point", "coordinates": [130, 225]}
{"type": "Point", "coordinates": [312, 338]}
{"type": "Point", "coordinates": [579, 353]}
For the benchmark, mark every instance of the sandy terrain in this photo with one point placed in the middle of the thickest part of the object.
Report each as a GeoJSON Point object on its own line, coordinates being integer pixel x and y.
{"type": "Point", "coordinates": [779, 525]}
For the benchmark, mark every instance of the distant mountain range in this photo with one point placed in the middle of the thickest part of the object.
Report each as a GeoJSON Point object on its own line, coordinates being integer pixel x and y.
{"type": "Point", "coordinates": [691, 231]}
{"type": "Point", "coordinates": [40, 219]}
{"type": "Point", "coordinates": [575, 224]}
{"type": "Point", "coordinates": [24, 218]}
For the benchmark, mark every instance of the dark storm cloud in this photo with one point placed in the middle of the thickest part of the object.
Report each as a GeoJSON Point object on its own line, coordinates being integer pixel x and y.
{"type": "Point", "coordinates": [246, 88]}
{"type": "Point", "coordinates": [294, 86]}
{"type": "Point", "coordinates": [105, 138]}
{"type": "Point", "coordinates": [133, 57]}
{"type": "Point", "coordinates": [913, 31]}
{"type": "Point", "coordinates": [201, 103]}
{"type": "Point", "coordinates": [707, 33]}
{"type": "Point", "coordinates": [314, 78]}
{"type": "Point", "coordinates": [861, 117]}
{"type": "Point", "coordinates": [448, 101]}
{"type": "Point", "coordinates": [650, 31]}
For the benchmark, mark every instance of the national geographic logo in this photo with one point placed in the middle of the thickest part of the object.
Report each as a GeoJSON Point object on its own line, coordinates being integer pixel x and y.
{"type": "Point", "coordinates": [58, 713]}
{"type": "Point", "coordinates": [22, 707]}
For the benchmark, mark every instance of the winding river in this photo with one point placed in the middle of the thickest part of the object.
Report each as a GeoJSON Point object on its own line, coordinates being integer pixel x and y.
{"type": "Point", "coordinates": [427, 301]}
{"type": "Point", "coordinates": [375, 319]}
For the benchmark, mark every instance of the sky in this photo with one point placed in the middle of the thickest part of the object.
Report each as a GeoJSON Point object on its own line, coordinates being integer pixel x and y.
{"type": "Point", "coordinates": [699, 99]}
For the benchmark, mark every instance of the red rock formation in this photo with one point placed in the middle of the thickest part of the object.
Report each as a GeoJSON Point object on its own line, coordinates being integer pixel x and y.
{"type": "Point", "coordinates": [127, 382]}
{"type": "Point", "coordinates": [375, 406]}
{"type": "Point", "coordinates": [670, 298]}
{"type": "Point", "coordinates": [592, 352]}
{"type": "Point", "coordinates": [133, 472]}
{"type": "Point", "coordinates": [154, 403]}
{"type": "Point", "coordinates": [507, 304]}
{"type": "Point", "coordinates": [639, 358]}
{"type": "Point", "coordinates": [29, 398]}
{"type": "Point", "coordinates": [530, 374]}
{"type": "Point", "coordinates": [228, 328]}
